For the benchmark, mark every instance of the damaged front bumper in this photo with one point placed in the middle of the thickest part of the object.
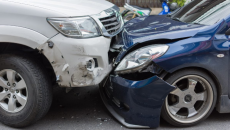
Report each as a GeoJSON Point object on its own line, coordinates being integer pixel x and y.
{"type": "Point", "coordinates": [135, 104]}
{"type": "Point", "coordinates": [78, 62]}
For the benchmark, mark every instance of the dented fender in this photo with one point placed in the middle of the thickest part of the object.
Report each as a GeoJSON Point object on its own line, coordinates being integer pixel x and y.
{"type": "Point", "coordinates": [59, 64]}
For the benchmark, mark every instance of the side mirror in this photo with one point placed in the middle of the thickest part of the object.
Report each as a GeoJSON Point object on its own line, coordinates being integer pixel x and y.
{"type": "Point", "coordinates": [227, 32]}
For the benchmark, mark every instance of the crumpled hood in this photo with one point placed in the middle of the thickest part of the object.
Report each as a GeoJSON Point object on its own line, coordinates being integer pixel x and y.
{"type": "Point", "coordinates": [68, 7]}
{"type": "Point", "coordinates": [154, 27]}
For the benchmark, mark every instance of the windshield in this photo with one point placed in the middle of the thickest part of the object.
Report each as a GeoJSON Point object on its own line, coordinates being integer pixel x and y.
{"type": "Point", "coordinates": [206, 12]}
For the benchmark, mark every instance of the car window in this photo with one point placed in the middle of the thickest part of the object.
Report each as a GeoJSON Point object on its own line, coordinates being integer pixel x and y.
{"type": "Point", "coordinates": [206, 12]}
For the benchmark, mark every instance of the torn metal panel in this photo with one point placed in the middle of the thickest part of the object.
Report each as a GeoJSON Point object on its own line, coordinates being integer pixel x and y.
{"type": "Point", "coordinates": [58, 63]}
{"type": "Point", "coordinates": [79, 72]}
{"type": "Point", "coordinates": [83, 76]}
{"type": "Point", "coordinates": [153, 68]}
{"type": "Point", "coordinates": [85, 62]}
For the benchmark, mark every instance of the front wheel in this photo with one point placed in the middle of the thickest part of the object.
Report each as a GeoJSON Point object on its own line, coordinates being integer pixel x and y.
{"type": "Point", "coordinates": [192, 101]}
{"type": "Point", "coordinates": [25, 90]}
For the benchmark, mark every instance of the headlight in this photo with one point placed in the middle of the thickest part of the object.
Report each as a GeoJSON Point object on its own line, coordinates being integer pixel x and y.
{"type": "Point", "coordinates": [139, 59]}
{"type": "Point", "coordinates": [81, 27]}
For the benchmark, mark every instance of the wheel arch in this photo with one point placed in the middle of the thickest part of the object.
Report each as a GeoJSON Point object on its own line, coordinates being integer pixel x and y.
{"type": "Point", "coordinates": [7, 47]}
{"type": "Point", "coordinates": [21, 35]}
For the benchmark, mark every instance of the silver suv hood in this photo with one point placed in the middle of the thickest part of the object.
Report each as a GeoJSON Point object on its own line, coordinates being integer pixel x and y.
{"type": "Point", "coordinates": [68, 7]}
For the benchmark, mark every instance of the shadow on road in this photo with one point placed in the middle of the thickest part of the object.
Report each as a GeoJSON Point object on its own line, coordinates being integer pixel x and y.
{"type": "Point", "coordinates": [82, 109]}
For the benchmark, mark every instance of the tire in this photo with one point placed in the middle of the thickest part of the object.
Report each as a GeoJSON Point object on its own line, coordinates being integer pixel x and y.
{"type": "Point", "coordinates": [36, 90]}
{"type": "Point", "coordinates": [192, 101]}
{"type": "Point", "coordinates": [128, 17]}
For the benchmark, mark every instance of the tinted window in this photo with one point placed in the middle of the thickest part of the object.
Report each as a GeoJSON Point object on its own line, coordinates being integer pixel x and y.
{"type": "Point", "coordinates": [206, 12]}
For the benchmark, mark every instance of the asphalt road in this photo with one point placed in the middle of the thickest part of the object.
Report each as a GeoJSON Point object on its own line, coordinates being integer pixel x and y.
{"type": "Point", "coordinates": [82, 109]}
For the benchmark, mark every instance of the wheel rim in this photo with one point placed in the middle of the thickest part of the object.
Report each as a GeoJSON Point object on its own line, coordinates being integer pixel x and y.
{"type": "Point", "coordinates": [192, 99]}
{"type": "Point", "coordinates": [13, 91]}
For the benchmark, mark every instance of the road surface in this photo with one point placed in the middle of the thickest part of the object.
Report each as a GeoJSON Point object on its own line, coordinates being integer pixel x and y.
{"type": "Point", "coordinates": [82, 109]}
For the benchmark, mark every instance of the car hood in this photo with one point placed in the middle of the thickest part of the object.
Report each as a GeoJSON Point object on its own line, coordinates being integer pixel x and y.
{"type": "Point", "coordinates": [68, 7]}
{"type": "Point", "coordinates": [154, 27]}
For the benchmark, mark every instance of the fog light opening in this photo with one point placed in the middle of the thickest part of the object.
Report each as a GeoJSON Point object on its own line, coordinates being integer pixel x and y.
{"type": "Point", "coordinates": [90, 65]}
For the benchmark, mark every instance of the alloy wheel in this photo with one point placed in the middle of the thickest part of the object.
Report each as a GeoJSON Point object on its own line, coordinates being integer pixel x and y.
{"type": "Point", "coordinates": [192, 99]}
{"type": "Point", "coordinates": [13, 91]}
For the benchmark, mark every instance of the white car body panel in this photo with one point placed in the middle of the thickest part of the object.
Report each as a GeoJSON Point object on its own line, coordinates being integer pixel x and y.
{"type": "Point", "coordinates": [30, 38]}
{"type": "Point", "coordinates": [69, 8]}
{"type": "Point", "coordinates": [25, 22]}
{"type": "Point", "coordinates": [76, 53]}
{"type": "Point", "coordinates": [32, 14]}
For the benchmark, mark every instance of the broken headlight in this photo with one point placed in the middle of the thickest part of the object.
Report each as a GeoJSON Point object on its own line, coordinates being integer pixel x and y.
{"type": "Point", "coordinates": [81, 27]}
{"type": "Point", "coordinates": [141, 58]}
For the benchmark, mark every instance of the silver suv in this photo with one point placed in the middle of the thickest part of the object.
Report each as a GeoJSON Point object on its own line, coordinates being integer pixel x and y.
{"type": "Point", "coordinates": [51, 42]}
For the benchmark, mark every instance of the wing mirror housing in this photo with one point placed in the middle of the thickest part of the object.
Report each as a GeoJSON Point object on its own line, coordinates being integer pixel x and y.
{"type": "Point", "coordinates": [227, 32]}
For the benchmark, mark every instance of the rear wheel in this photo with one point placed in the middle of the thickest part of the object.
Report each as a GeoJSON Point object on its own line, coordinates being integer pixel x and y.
{"type": "Point", "coordinates": [192, 101]}
{"type": "Point", "coordinates": [25, 90]}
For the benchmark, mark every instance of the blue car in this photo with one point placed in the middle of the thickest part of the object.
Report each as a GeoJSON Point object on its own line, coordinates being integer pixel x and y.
{"type": "Point", "coordinates": [175, 67]}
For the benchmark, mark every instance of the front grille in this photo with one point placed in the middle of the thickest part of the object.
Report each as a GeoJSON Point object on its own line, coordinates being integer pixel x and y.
{"type": "Point", "coordinates": [111, 23]}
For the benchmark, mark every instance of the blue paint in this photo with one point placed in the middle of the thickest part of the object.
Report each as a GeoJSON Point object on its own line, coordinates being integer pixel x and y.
{"type": "Point", "coordinates": [193, 45]}
{"type": "Point", "coordinates": [144, 99]}
{"type": "Point", "coordinates": [165, 28]}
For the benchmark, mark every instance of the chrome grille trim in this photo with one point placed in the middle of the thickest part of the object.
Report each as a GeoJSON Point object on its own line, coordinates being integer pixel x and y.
{"type": "Point", "coordinates": [114, 28]}
{"type": "Point", "coordinates": [115, 23]}
{"type": "Point", "coordinates": [110, 19]}
{"type": "Point", "coordinates": [110, 22]}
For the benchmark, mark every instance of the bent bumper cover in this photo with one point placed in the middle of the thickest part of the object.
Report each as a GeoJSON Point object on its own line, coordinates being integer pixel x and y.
{"type": "Point", "coordinates": [115, 114]}
{"type": "Point", "coordinates": [135, 104]}
{"type": "Point", "coordinates": [70, 58]}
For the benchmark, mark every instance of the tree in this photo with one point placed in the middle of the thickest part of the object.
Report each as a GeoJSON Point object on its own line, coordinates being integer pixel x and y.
{"type": "Point", "coordinates": [179, 2]}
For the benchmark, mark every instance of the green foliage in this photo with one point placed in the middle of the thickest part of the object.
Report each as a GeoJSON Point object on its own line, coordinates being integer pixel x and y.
{"type": "Point", "coordinates": [179, 2]}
